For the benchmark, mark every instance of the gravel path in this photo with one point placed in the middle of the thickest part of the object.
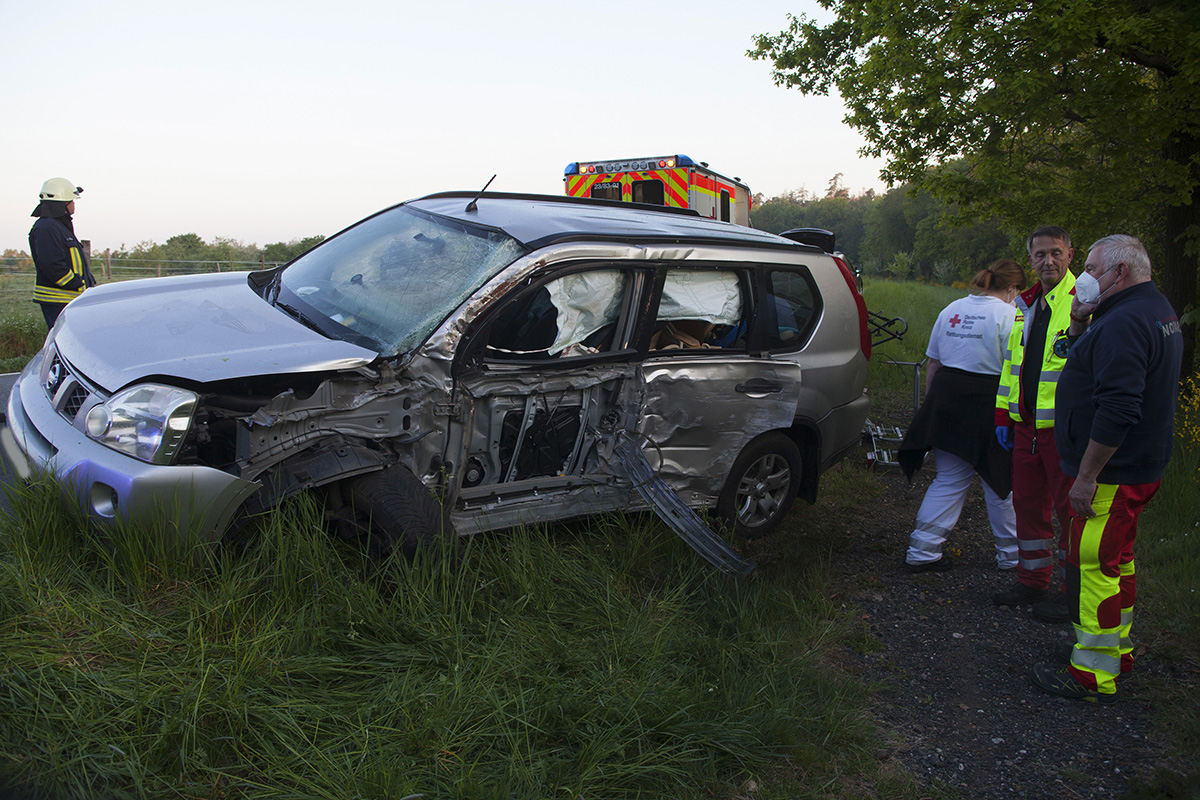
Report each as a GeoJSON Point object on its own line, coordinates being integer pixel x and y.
{"type": "Point", "coordinates": [952, 670]}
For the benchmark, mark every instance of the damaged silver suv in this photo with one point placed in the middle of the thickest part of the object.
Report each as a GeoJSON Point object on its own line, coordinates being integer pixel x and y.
{"type": "Point", "coordinates": [460, 363]}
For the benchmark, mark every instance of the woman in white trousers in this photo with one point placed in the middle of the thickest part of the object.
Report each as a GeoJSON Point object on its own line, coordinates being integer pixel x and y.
{"type": "Point", "coordinates": [956, 421]}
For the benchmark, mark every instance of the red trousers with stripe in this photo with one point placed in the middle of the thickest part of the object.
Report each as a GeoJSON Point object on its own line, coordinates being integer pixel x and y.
{"type": "Point", "coordinates": [1101, 583]}
{"type": "Point", "coordinates": [1039, 489]}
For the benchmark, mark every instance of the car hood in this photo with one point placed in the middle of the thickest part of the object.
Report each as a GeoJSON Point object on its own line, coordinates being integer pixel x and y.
{"type": "Point", "coordinates": [198, 328]}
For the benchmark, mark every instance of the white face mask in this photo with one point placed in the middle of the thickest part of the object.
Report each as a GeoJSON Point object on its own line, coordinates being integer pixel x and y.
{"type": "Point", "coordinates": [1087, 288]}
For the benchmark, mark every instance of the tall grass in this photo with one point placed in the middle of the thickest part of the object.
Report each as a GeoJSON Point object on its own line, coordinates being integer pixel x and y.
{"type": "Point", "coordinates": [606, 661]}
{"type": "Point", "coordinates": [918, 304]}
{"type": "Point", "coordinates": [1168, 552]}
{"type": "Point", "coordinates": [22, 332]}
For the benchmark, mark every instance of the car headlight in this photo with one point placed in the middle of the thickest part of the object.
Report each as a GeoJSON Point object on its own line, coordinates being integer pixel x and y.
{"type": "Point", "coordinates": [148, 421]}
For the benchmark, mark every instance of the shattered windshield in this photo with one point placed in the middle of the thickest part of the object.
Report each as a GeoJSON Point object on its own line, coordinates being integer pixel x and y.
{"type": "Point", "coordinates": [389, 281]}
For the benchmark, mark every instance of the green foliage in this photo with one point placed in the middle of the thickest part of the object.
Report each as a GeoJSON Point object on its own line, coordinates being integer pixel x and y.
{"type": "Point", "coordinates": [606, 661]}
{"type": "Point", "coordinates": [844, 216]}
{"type": "Point", "coordinates": [282, 252]}
{"type": "Point", "coordinates": [190, 248]}
{"type": "Point", "coordinates": [905, 233]}
{"type": "Point", "coordinates": [1075, 112]}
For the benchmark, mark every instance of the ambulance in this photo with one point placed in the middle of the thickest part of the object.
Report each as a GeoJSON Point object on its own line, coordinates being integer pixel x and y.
{"type": "Point", "coordinates": [662, 181]}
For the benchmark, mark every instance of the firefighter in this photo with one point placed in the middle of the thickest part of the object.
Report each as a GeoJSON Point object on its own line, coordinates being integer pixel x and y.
{"type": "Point", "coordinates": [1115, 413]}
{"type": "Point", "coordinates": [62, 266]}
{"type": "Point", "coordinates": [1037, 350]}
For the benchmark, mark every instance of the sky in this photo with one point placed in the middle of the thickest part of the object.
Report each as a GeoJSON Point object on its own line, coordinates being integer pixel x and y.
{"type": "Point", "coordinates": [267, 121]}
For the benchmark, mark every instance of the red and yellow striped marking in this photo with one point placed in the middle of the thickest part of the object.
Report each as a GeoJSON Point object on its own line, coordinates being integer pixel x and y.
{"type": "Point", "coordinates": [675, 184]}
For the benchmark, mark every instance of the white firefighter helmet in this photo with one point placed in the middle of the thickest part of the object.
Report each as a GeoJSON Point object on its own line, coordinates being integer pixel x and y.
{"type": "Point", "coordinates": [59, 189]}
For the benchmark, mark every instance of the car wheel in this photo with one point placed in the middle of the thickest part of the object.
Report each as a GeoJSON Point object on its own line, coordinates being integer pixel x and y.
{"type": "Point", "coordinates": [761, 485]}
{"type": "Point", "coordinates": [395, 510]}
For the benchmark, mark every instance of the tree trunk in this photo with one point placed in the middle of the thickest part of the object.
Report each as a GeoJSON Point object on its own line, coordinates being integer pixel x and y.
{"type": "Point", "coordinates": [1178, 270]}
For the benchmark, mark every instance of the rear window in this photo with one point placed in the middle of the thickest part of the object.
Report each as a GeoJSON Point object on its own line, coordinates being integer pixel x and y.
{"type": "Point", "coordinates": [792, 308]}
{"type": "Point", "coordinates": [650, 191]}
{"type": "Point", "coordinates": [607, 190]}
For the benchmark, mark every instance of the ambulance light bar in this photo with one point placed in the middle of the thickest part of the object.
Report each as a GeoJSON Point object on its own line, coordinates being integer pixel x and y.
{"type": "Point", "coordinates": [610, 167]}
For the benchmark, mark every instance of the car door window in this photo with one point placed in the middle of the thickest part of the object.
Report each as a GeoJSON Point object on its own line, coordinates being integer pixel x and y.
{"type": "Point", "coordinates": [700, 310]}
{"type": "Point", "coordinates": [572, 315]}
{"type": "Point", "coordinates": [792, 308]}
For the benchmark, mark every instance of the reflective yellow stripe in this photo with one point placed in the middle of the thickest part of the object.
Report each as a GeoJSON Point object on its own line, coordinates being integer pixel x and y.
{"type": "Point", "coordinates": [1099, 649]}
{"type": "Point", "coordinates": [46, 294]}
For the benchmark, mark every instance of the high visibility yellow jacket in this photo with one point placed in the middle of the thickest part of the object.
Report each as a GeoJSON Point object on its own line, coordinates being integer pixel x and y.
{"type": "Point", "coordinates": [1008, 396]}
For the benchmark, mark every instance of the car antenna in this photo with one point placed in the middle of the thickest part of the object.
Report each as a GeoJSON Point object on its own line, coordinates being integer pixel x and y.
{"type": "Point", "coordinates": [471, 205]}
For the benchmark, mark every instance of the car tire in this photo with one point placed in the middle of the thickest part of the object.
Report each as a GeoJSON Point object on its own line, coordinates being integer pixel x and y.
{"type": "Point", "coordinates": [394, 511]}
{"type": "Point", "coordinates": [761, 486]}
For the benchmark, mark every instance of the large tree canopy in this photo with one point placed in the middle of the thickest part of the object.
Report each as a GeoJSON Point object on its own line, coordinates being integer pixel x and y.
{"type": "Point", "coordinates": [1081, 113]}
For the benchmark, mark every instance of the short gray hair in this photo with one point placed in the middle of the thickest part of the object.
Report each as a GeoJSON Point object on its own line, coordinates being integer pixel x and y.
{"type": "Point", "coordinates": [1051, 232]}
{"type": "Point", "coordinates": [1122, 249]}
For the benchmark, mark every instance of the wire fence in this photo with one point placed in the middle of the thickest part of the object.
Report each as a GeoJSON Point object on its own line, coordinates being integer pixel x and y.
{"type": "Point", "coordinates": [17, 272]}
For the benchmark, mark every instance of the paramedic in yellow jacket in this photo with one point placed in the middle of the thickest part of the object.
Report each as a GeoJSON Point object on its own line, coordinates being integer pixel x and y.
{"type": "Point", "coordinates": [1037, 351]}
{"type": "Point", "coordinates": [62, 267]}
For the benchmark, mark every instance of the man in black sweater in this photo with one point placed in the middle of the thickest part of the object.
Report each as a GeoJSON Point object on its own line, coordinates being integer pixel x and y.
{"type": "Point", "coordinates": [1114, 429]}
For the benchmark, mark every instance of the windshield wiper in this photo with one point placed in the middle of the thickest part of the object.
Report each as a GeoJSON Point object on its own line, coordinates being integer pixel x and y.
{"type": "Point", "coordinates": [272, 291]}
{"type": "Point", "coordinates": [300, 316]}
{"type": "Point", "coordinates": [341, 332]}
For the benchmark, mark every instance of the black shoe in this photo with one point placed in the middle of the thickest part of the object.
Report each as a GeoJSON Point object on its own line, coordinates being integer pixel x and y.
{"type": "Point", "coordinates": [1018, 595]}
{"type": "Point", "coordinates": [941, 565]}
{"type": "Point", "coordinates": [1060, 682]}
{"type": "Point", "coordinates": [1053, 610]}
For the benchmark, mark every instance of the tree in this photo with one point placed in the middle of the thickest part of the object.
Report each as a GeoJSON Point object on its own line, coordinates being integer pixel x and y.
{"type": "Point", "coordinates": [1081, 113]}
{"type": "Point", "coordinates": [843, 215]}
{"type": "Point", "coordinates": [836, 188]}
{"type": "Point", "coordinates": [281, 252]}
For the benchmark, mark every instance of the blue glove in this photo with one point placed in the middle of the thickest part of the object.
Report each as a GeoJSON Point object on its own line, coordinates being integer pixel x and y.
{"type": "Point", "coordinates": [1004, 436]}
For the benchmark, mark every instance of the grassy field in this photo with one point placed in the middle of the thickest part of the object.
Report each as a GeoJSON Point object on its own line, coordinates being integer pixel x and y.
{"type": "Point", "coordinates": [598, 660]}
{"type": "Point", "coordinates": [22, 329]}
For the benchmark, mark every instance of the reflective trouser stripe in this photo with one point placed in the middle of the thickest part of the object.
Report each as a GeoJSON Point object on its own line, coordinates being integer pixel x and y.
{"type": "Point", "coordinates": [1037, 546]}
{"type": "Point", "coordinates": [1039, 491]}
{"type": "Point", "coordinates": [942, 506]}
{"type": "Point", "coordinates": [1101, 583]}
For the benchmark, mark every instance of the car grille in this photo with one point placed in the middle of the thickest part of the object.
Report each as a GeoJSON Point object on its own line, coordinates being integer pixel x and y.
{"type": "Point", "coordinates": [67, 392]}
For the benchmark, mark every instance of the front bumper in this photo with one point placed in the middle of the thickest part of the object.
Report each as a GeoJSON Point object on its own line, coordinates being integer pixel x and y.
{"type": "Point", "coordinates": [109, 485]}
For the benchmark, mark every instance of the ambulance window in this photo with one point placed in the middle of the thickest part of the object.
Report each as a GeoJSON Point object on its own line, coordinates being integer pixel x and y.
{"type": "Point", "coordinates": [609, 190]}
{"type": "Point", "coordinates": [724, 206]}
{"type": "Point", "coordinates": [649, 191]}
